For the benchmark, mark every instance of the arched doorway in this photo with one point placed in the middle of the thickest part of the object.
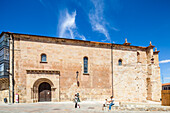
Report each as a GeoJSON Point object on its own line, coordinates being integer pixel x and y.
{"type": "Point", "coordinates": [44, 92]}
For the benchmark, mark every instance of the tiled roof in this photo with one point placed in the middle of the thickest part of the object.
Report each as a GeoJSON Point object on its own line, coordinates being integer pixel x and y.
{"type": "Point", "coordinates": [166, 84]}
{"type": "Point", "coordinates": [92, 42]}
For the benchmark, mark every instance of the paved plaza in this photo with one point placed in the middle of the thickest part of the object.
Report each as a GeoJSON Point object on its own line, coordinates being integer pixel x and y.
{"type": "Point", "coordinates": [61, 107]}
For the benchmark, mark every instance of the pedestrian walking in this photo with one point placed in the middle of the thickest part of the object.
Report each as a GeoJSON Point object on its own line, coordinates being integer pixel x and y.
{"type": "Point", "coordinates": [76, 100]}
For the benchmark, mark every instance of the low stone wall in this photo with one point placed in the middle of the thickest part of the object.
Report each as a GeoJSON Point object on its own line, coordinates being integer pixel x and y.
{"type": "Point", "coordinates": [4, 94]}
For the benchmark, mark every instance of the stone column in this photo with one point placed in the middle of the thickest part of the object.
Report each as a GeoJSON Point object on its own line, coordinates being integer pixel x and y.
{"type": "Point", "coordinates": [53, 95]}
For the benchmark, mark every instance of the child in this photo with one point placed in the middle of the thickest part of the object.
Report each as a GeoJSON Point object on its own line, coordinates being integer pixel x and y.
{"type": "Point", "coordinates": [105, 105]}
{"type": "Point", "coordinates": [78, 106]}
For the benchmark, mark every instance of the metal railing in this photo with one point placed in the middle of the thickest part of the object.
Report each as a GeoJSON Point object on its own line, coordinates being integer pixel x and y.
{"type": "Point", "coordinates": [4, 73]}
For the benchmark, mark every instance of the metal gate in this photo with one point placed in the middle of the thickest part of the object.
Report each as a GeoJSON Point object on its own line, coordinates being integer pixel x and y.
{"type": "Point", "coordinates": [44, 92]}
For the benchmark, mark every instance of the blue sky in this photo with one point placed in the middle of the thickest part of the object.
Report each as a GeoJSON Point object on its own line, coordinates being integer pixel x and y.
{"type": "Point", "coordinates": [140, 21]}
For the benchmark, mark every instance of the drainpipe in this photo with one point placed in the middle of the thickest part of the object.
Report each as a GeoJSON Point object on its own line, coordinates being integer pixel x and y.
{"type": "Point", "coordinates": [11, 35]}
{"type": "Point", "coordinates": [112, 66]}
{"type": "Point", "coordinates": [9, 71]}
{"type": "Point", "coordinates": [12, 69]}
{"type": "Point", "coordinates": [9, 88]}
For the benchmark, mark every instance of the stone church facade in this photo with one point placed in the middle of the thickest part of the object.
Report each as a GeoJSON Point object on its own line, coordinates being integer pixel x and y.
{"type": "Point", "coordinates": [40, 68]}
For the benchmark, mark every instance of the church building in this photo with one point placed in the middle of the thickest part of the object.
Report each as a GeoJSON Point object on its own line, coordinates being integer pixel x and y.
{"type": "Point", "coordinates": [41, 68]}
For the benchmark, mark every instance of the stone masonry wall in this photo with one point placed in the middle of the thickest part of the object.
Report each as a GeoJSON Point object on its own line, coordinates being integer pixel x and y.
{"type": "Point", "coordinates": [130, 79]}
{"type": "Point", "coordinates": [68, 60]}
{"type": "Point", "coordinates": [4, 94]}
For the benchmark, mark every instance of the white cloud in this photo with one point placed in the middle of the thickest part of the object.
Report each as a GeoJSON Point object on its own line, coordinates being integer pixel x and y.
{"type": "Point", "coordinates": [82, 37]}
{"type": "Point", "coordinates": [115, 29]}
{"type": "Point", "coordinates": [67, 25]}
{"type": "Point", "coordinates": [46, 4]}
{"type": "Point", "coordinates": [97, 21]}
{"type": "Point", "coordinates": [167, 78]}
{"type": "Point", "coordinates": [164, 61]}
{"type": "Point", "coordinates": [42, 2]}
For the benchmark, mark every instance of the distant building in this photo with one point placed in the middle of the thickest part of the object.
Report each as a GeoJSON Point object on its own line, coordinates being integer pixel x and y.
{"type": "Point", "coordinates": [166, 86]}
{"type": "Point", "coordinates": [40, 68]}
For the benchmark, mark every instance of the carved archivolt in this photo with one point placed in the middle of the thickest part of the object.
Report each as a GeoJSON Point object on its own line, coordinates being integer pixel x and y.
{"type": "Point", "coordinates": [41, 80]}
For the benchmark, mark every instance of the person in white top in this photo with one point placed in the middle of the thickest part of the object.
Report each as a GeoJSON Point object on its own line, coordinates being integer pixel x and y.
{"type": "Point", "coordinates": [76, 100]}
{"type": "Point", "coordinates": [111, 102]}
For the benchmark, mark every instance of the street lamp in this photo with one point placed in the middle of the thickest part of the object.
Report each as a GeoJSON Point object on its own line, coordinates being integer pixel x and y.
{"type": "Point", "coordinates": [77, 75]}
{"type": "Point", "coordinates": [77, 78]}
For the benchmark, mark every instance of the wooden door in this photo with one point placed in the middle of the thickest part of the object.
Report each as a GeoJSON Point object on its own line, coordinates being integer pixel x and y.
{"type": "Point", "coordinates": [165, 97]}
{"type": "Point", "coordinates": [44, 92]}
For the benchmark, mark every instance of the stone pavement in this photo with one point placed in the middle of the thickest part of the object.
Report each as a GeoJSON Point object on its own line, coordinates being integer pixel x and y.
{"type": "Point", "coordinates": [62, 107]}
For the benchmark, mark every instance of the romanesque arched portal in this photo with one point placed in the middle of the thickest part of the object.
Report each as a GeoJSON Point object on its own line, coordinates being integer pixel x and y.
{"type": "Point", "coordinates": [42, 90]}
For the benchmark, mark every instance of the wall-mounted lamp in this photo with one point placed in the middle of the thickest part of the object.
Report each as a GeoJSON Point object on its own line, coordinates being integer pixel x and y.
{"type": "Point", "coordinates": [78, 84]}
{"type": "Point", "coordinates": [77, 75]}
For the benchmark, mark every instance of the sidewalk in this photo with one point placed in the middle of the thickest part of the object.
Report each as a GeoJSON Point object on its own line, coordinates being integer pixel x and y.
{"type": "Point", "coordinates": [68, 107]}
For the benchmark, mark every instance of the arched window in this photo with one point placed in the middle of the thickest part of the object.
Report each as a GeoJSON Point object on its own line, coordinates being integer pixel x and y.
{"type": "Point", "coordinates": [138, 57]}
{"type": "Point", "coordinates": [43, 58]}
{"type": "Point", "coordinates": [120, 62]}
{"type": "Point", "coordinates": [85, 65]}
